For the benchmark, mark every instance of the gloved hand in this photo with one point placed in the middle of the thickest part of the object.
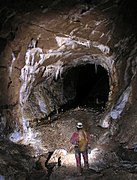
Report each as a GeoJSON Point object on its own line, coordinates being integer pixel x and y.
{"type": "Point", "coordinates": [71, 148]}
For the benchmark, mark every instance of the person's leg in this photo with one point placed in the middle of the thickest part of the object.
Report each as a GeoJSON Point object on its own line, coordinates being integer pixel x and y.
{"type": "Point", "coordinates": [85, 157]}
{"type": "Point", "coordinates": [78, 162]}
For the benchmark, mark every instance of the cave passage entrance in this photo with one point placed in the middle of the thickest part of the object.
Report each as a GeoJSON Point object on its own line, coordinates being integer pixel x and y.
{"type": "Point", "coordinates": [86, 85]}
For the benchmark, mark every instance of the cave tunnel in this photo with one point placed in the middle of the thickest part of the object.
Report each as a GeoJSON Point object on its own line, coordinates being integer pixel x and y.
{"type": "Point", "coordinates": [89, 85]}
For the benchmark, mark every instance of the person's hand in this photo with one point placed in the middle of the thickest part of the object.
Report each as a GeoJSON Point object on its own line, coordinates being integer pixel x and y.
{"type": "Point", "coordinates": [71, 147]}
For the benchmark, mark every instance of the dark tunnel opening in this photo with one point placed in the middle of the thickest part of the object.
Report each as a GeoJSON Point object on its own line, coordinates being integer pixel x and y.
{"type": "Point", "coordinates": [86, 86]}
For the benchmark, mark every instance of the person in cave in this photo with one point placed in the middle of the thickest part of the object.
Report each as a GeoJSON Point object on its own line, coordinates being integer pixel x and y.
{"type": "Point", "coordinates": [80, 141]}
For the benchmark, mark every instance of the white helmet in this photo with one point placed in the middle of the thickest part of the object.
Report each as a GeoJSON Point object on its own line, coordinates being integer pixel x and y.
{"type": "Point", "coordinates": [79, 125]}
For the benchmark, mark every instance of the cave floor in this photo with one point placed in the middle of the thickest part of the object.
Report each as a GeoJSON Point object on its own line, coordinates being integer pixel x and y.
{"type": "Point", "coordinates": [103, 161]}
{"type": "Point", "coordinates": [17, 160]}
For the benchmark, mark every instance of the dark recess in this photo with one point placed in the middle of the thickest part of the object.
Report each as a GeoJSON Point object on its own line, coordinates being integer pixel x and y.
{"type": "Point", "coordinates": [91, 85]}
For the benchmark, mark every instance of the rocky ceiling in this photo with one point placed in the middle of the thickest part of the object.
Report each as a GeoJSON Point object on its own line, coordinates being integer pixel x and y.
{"type": "Point", "coordinates": [62, 60]}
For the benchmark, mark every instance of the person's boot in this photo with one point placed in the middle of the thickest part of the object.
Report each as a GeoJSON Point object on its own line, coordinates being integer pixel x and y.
{"type": "Point", "coordinates": [79, 171]}
{"type": "Point", "coordinates": [86, 166]}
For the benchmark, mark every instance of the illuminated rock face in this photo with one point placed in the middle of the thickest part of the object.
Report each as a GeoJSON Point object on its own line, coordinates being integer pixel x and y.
{"type": "Point", "coordinates": [64, 55]}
